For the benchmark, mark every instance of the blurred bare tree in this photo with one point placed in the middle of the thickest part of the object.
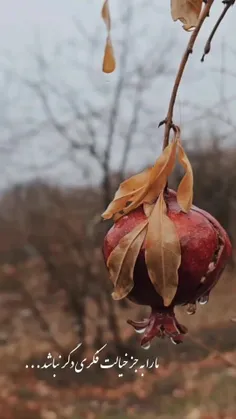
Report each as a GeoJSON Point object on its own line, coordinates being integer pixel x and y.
{"type": "Point", "coordinates": [65, 229]}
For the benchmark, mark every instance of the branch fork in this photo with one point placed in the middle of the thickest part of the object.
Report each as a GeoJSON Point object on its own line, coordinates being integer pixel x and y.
{"type": "Point", "coordinates": [168, 121]}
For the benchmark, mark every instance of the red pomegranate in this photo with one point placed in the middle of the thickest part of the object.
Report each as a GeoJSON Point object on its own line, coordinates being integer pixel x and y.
{"type": "Point", "coordinates": [205, 249]}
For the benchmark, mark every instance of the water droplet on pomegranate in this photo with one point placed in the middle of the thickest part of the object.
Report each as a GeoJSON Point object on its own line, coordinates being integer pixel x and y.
{"type": "Point", "coordinates": [146, 346]}
{"type": "Point", "coordinates": [191, 309]}
{"type": "Point", "coordinates": [140, 330]}
{"type": "Point", "coordinates": [204, 299]}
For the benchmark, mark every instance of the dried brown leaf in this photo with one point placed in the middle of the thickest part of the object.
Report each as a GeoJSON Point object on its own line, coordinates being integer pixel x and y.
{"type": "Point", "coordinates": [157, 179]}
{"type": "Point", "coordinates": [187, 11]}
{"type": "Point", "coordinates": [133, 183]}
{"type": "Point", "coordinates": [122, 260]}
{"type": "Point", "coordinates": [109, 63]}
{"type": "Point", "coordinates": [126, 192]}
{"type": "Point", "coordinates": [163, 253]}
{"type": "Point", "coordinates": [185, 189]}
{"type": "Point", "coordinates": [144, 187]}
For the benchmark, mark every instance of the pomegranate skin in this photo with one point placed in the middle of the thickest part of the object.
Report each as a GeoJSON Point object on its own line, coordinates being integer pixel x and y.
{"type": "Point", "coordinates": [205, 249]}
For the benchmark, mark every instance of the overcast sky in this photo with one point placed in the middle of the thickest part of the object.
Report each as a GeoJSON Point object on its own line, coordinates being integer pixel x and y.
{"type": "Point", "coordinates": [22, 21]}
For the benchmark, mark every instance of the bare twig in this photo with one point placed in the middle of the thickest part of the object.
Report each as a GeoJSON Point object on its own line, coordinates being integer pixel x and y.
{"type": "Point", "coordinates": [168, 121]}
{"type": "Point", "coordinates": [207, 48]}
{"type": "Point", "coordinates": [210, 112]}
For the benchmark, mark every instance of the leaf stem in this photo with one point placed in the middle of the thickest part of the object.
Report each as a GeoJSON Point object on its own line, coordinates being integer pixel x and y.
{"type": "Point", "coordinates": [168, 121]}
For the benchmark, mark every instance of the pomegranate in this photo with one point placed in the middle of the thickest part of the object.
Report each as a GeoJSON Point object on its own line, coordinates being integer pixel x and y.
{"type": "Point", "coordinates": [205, 249]}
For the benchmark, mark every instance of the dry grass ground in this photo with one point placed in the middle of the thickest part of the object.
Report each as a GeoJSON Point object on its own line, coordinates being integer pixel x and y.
{"type": "Point", "coordinates": [195, 380]}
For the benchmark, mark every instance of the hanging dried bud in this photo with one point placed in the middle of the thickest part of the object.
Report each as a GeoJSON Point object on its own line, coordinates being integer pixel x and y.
{"type": "Point", "coordinates": [109, 63]}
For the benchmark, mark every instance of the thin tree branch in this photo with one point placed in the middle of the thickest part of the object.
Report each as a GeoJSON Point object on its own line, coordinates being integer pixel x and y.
{"type": "Point", "coordinates": [209, 112]}
{"type": "Point", "coordinates": [168, 121]}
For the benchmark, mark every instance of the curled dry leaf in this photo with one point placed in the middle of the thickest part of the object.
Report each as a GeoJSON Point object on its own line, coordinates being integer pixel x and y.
{"type": "Point", "coordinates": [127, 192]}
{"type": "Point", "coordinates": [122, 259]}
{"type": "Point", "coordinates": [109, 63]}
{"type": "Point", "coordinates": [163, 252]}
{"type": "Point", "coordinates": [185, 189]}
{"type": "Point", "coordinates": [187, 11]}
{"type": "Point", "coordinates": [144, 187]}
{"type": "Point", "coordinates": [159, 175]}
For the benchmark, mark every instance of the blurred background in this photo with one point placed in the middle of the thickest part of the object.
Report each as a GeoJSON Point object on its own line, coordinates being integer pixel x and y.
{"type": "Point", "coordinates": [69, 135]}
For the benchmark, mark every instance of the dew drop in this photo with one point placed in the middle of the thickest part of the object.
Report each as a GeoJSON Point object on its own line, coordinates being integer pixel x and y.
{"type": "Point", "coordinates": [204, 299]}
{"type": "Point", "coordinates": [191, 309]}
{"type": "Point", "coordinates": [140, 330]}
{"type": "Point", "coordinates": [146, 346]}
